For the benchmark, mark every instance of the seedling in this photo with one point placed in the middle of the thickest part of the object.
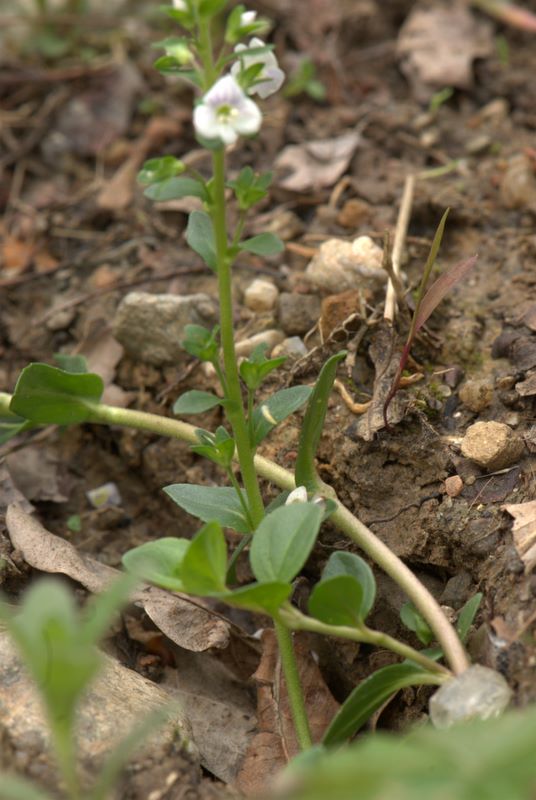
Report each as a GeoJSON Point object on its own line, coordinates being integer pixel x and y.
{"type": "Point", "coordinates": [58, 642]}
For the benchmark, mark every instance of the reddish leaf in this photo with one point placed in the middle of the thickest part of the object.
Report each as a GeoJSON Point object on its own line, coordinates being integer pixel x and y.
{"type": "Point", "coordinates": [439, 289]}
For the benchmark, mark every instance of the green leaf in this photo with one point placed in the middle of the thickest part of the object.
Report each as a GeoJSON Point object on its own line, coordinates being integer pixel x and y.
{"type": "Point", "coordinates": [205, 563]}
{"type": "Point", "coordinates": [282, 542]}
{"type": "Point", "coordinates": [368, 697]}
{"type": "Point", "coordinates": [265, 244]}
{"type": "Point", "coordinates": [208, 503]}
{"type": "Point", "coordinates": [343, 563]}
{"type": "Point", "coordinates": [160, 169]}
{"type": "Point", "coordinates": [48, 395]}
{"type": "Point", "coordinates": [174, 189]}
{"type": "Point", "coordinates": [278, 407]}
{"type": "Point", "coordinates": [313, 423]}
{"type": "Point", "coordinates": [416, 623]}
{"type": "Point", "coordinates": [195, 402]}
{"type": "Point", "coordinates": [17, 788]}
{"type": "Point", "coordinates": [337, 601]}
{"type": "Point", "coordinates": [201, 343]}
{"type": "Point", "coordinates": [158, 562]}
{"type": "Point", "coordinates": [208, 8]}
{"type": "Point", "coordinates": [260, 597]}
{"type": "Point", "coordinates": [200, 237]}
{"type": "Point", "coordinates": [218, 447]}
{"type": "Point", "coordinates": [467, 615]}
{"type": "Point", "coordinates": [71, 363]}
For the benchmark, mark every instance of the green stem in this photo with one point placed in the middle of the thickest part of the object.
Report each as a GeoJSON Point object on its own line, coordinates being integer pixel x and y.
{"type": "Point", "coordinates": [300, 622]}
{"type": "Point", "coordinates": [342, 518]}
{"type": "Point", "coordinates": [293, 684]}
{"type": "Point", "coordinates": [65, 750]}
{"type": "Point", "coordinates": [234, 408]}
{"type": "Point", "coordinates": [240, 493]}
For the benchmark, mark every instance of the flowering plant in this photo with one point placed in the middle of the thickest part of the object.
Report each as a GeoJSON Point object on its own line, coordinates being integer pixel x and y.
{"type": "Point", "coordinates": [279, 537]}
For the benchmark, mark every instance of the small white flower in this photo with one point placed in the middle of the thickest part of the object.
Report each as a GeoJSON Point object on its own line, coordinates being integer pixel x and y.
{"type": "Point", "coordinates": [271, 76]}
{"type": "Point", "coordinates": [247, 18]}
{"type": "Point", "coordinates": [225, 112]}
{"type": "Point", "coordinates": [298, 495]}
{"type": "Point", "coordinates": [180, 5]}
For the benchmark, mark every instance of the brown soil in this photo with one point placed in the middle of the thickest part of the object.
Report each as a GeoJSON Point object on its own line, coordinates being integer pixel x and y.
{"type": "Point", "coordinates": [79, 253]}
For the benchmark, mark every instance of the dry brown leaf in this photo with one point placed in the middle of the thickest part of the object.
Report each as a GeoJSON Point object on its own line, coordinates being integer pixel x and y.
{"type": "Point", "coordinates": [317, 164]}
{"type": "Point", "coordinates": [37, 474]}
{"type": "Point", "coordinates": [437, 47]}
{"type": "Point", "coordinates": [185, 623]}
{"type": "Point", "coordinates": [524, 531]}
{"type": "Point", "coordinates": [16, 255]}
{"type": "Point", "coordinates": [119, 191]}
{"type": "Point", "coordinates": [275, 743]}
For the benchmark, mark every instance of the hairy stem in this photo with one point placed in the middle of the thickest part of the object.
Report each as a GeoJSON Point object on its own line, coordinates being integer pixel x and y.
{"type": "Point", "coordinates": [293, 683]}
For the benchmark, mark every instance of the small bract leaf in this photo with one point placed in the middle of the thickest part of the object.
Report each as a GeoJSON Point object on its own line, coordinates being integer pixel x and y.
{"type": "Point", "coordinates": [416, 623]}
{"type": "Point", "coordinates": [195, 402]}
{"type": "Point", "coordinates": [71, 363]}
{"type": "Point", "coordinates": [279, 406]}
{"type": "Point", "coordinates": [48, 395]}
{"type": "Point", "coordinates": [467, 615]}
{"type": "Point", "coordinates": [158, 562]}
{"type": "Point", "coordinates": [343, 563]}
{"type": "Point", "coordinates": [368, 697]}
{"type": "Point", "coordinates": [282, 542]}
{"type": "Point", "coordinates": [205, 563]}
{"type": "Point", "coordinates": [337, 601]}
{"type": "Point", "coordinates": [265, 244]}
{"type": "Point", "coordinates": [208, 503]}
{"type": "Point", "coordinates": [259, 597]}
{"type": "Point", "coordinates": [313, 424]}
{"type": "Point", "coordinates": [200, 237]}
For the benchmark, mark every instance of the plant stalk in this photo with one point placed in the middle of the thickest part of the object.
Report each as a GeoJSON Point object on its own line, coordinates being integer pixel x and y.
{"type": "Point", "coordinates": [298, 621]}
{"type": "Point", "coordinates": [342, 518]}
{"type": "Point", "coordinates": [293, 684]}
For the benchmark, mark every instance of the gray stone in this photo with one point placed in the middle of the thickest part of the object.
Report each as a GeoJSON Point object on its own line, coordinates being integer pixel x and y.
{"type": "Point", "coordinates": [292, 347]}
{"type": "Point", "coordinates": [478, 693]}
{"type": "Point", "coordinates": [492, 445]}
{"type": "Point", "coordinates": [151, 326]}
{"type": "Point", "coordinates": [298, 313]}
{"type": "Point", "coordinates": [341, 265]}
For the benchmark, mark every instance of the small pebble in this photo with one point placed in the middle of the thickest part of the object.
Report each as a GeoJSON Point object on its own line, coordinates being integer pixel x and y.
{"type": "Point", "coordinates": [453, 376]}
{"type": "Point", "coordinates": [492, 445]}
{"type": "Point", "coordinates": [353, 213]}
{"type": "Point", "coordinates": [518, 185]}
{"type": "Point", "coordinates": [298, 313]}
{"type": "Point", "coordinates": [478, 693]}
{"type": "Point", "coordinates": [292, 347]}
{"type": "Point", "coordinates": [495, 111]}
{"type": "Point", "coordinates": [453, 485]}
{"type": "Point", "coordinates": [476, 395]}
{"type": "Point", "coordinates": [479, 144]}
{"type": "Point", "coordinates": [261, 295]}
{"type": "Point", "coordinates": [341, 265]}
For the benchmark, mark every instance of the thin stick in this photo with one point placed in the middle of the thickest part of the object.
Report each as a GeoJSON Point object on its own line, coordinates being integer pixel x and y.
{"type": "Point", "coordinates": [400, 237]}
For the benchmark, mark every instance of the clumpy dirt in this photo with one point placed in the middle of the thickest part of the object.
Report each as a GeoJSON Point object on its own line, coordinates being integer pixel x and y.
{"type": "Point", "coordinates": [68, 259]}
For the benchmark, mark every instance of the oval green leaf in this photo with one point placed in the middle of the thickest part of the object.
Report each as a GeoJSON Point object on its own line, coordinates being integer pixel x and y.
{"type": "Point", "coordinates": [282, 542]}
{"type": "Point", "coordinates": [277, 408]}
{"type": "Point", "coordinates": [337, 601]}
{"type": "Point", "coordinates": [175, 188]}
{"type": "Point", "coordinates": [48, 395]}
{"type": "Point", "coordinates": [343, 563]}
{"type": "Point", "coordinates": [158, 562]}
{"type": "Point", "coordinates": [204, 565]}
{"type": "Point", "coordinates": [195, 402]}
{"type": "Point", "coordinates": [200, 237]}
{"type": "Point", "coordinates": [259, 597]}
{"type": "Point", "coordinates": [220, 503]}
{"type": "Point", "coordinates": [265, 244]}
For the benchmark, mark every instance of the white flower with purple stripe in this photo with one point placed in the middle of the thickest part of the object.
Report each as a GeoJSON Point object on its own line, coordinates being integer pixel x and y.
{"type": "Point", "coordinates": [226, 113]}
